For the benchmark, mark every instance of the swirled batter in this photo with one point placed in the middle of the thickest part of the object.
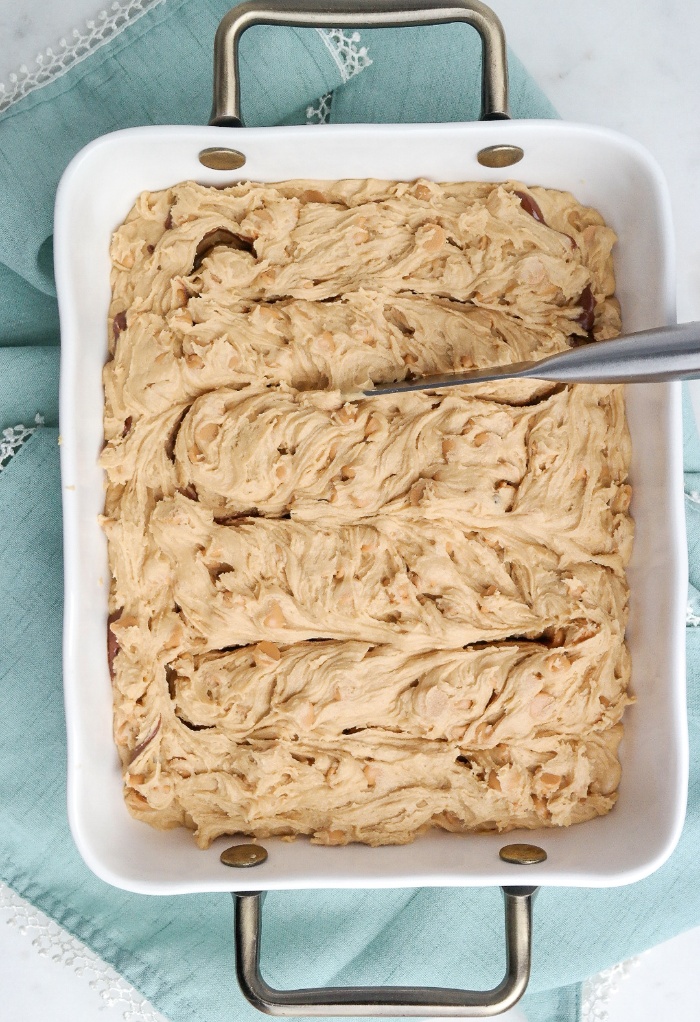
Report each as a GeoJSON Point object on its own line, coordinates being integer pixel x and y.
{"type": "Point", "coordinates": [357, 619]}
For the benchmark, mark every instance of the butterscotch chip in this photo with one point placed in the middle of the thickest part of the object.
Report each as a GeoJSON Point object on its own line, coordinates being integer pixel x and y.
{"type": "Point", "coordinates": [269, 649]}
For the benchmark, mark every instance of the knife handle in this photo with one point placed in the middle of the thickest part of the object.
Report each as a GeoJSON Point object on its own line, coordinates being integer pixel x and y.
{"type": "Point", "coordinates": [665, 353]}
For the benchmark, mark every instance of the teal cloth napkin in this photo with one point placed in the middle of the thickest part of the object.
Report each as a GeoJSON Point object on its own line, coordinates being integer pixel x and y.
{"type": "Point", "coordinates": [178, 951]}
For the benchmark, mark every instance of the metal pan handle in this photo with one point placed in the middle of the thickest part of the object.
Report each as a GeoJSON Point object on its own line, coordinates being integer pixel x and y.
{"type": "Point", "coordinates": [226, 110]}
{"type": "Point", "coordinates": [380, 1001]}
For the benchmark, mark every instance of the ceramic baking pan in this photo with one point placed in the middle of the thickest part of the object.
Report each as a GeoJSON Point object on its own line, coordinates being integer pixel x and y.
{"type": "Point", "coordinates": [601, 168]}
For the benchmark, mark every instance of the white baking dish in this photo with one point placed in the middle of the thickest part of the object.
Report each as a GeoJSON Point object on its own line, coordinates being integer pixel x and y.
{"type": "Point", "coordinates": [601, 168]}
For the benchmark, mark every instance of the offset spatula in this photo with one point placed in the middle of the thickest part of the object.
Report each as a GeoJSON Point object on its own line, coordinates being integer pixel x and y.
{"type": "Point", "coordinates": [667, 353]}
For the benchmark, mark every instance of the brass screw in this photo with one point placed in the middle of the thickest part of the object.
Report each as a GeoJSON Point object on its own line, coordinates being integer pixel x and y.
{"type": "Point", "coordinates": [522, 855]}
{"type": "Point", "coordinates": [500, 155]}
{"type": "Point", "coordinates": [243, 855]}
{"type": "Point", "coordinates": [221, 159]}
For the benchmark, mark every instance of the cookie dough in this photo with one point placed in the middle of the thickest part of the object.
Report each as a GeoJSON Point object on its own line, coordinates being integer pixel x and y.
{"type": "Point", "coordinates": [357, 619]}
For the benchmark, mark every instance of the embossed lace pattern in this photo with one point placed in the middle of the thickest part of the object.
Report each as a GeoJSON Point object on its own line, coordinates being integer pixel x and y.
{"type": "Point", "coordinates": [51, 64]}
{"type": "Point", "coordinates": [319, 112]}
{"type": "Point", "coordinates": [350, 57]}
{"type": "Point", "coordinates": [346, 51]}
{"type": "Point", "coordinates": [13, 439]}
{"type": "Point", "coordinates": [598, 990]}
{"type": "Point", "coordinates": [50, 941]}
{"type": "Point", "coordinates": [692, 619]}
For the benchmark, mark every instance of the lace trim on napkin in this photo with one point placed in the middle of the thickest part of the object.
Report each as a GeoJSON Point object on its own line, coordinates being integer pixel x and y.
{"type": "Point", "coordinates": [51, 941]}
{"type": "Point", "coordinates": [692, 619]}
{"type": "Point", "coordinates": [598, 990]}
{"type": "Point", "coordinates": [13, 439]}
{"type": "Point", "coordinates": [350, 57]}
{"type": "Point", "coordinates": [344, 49]}
{"type": "Point", "coordinates": [51, 64]}
{"type": "Point", "coordinates": [320, 113]}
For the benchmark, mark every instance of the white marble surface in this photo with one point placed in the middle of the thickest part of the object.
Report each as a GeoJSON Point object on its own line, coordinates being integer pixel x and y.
{"type": "Point", "coordinates": [630, 65]}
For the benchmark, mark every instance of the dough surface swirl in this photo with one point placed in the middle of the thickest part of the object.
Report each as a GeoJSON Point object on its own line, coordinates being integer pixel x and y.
{"type": "Point", "coordinates": [359, 619]}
